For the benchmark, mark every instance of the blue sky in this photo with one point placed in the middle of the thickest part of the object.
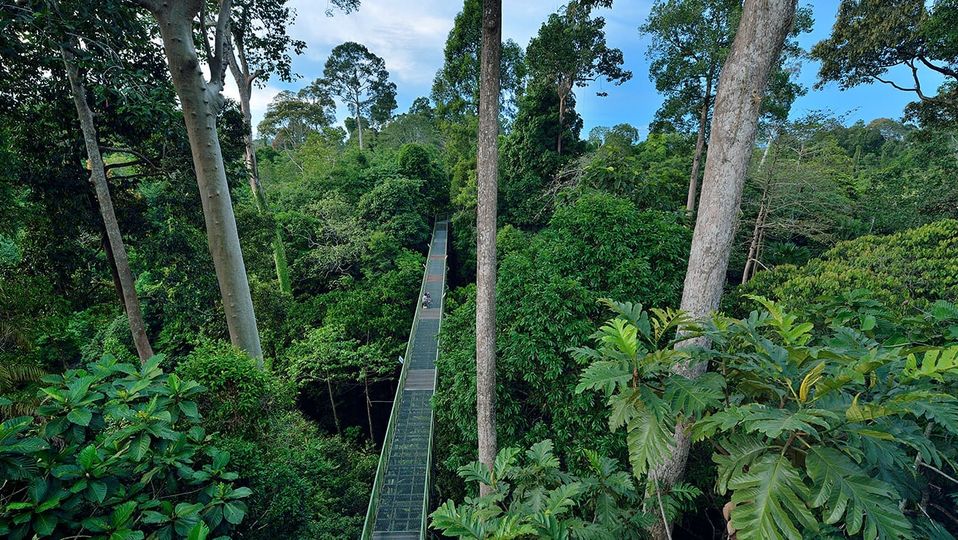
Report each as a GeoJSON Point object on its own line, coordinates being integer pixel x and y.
{"type": "Point", "coordinates": [410, 35]}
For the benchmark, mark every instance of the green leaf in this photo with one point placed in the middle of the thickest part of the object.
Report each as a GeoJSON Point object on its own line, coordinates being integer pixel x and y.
{"type": "Point", "coordinates": [603, 375]}
{"type": "Point", "coordinates": [693, 397]}
{"type": "Point", "coordinates": [199, 532]}
{"type": "Point", "coordinates": [189, 409]}
{"type": "Point", "coordinates": [845, 490]}
{"type": "Point", "coordinates": [87, 457]}
{"type": "Point", "coordinates": [740, 452]}
{"type": "Point", "coordinates": [98, 491]}
{"type": "Point", "coordinates": [770, 501]}
{"type": "Point", "coordinates": [80, 417]}
{"type": "Point", "coordinates": [648, 440]}
{"type": "Point", "coordinates": [123, 513]}
{"type": "Point", "coordinates": [234, 511]}
{"type": "Point", "coordinates": [774, 422]}
{"type": "Point", "coordinates": [140, 446]}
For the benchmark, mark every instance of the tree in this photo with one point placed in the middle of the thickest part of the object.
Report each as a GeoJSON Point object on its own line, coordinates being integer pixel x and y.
{"type": "Point", "coordinates": [259, 47]}
{"type": "Point", "coordinates": [61, 32]}
{"type": "Point", "coordinates": [488, 181]}
{"type": "Point", "coordinates": [690, 42]}
{"type": "Point", "coordinates": [570, 51]}
{"type": "Point", "coordinates": [359, 78]}
{"type": "Point", "coordinates": [291, 117]}
{"type": "Point", "coordinates": [455, 89]}
{"type": "Point", "coordinates": [201, 100]}
{"type": "Point", "coordinates": [131, 301]}
{"type": "Point", "coordinates": [870, 38]}
{"type": "Point", "coordinates": [802, 181]}
{"type": "Point", "coordinates": [755, 51]}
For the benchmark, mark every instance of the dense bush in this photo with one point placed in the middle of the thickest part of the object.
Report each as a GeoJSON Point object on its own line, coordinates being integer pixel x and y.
{"type": "Point", "coordinates": [903, 271]}
{"type": "Point", "coordinates": [115, 451]}
{"type": "Point", "coordinates": [305, 484]}
{"type": "Point", "coordinates": [240, 397]}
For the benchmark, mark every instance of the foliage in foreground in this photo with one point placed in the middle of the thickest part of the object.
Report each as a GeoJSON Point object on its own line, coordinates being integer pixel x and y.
{"type": "Point", "coordinates": [533, 497]}
{"type": "Point", "coordinates": [815, 433]}
{"type": "Point", "coordinates": [305, 483]}
{"type": "Point", "coordinates": [832, 433]}
{"type": "Point", "coordinates": [116, 451]}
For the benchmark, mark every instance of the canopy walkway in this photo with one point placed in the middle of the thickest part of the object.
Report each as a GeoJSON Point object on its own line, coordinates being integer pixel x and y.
{"type": "Point", "coordinates": [399, 502]}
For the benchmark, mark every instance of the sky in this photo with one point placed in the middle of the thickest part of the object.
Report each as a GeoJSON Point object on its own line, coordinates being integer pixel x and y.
{"type": "Point", "coordinates": [410, 36]}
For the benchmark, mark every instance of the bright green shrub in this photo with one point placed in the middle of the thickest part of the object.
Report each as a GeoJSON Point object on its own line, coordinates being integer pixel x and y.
{"type": "Point", "coordinates": [534, 498]}
{"type": "Point", "coordinates": [115, 451]}
{"type": "Point", "coordinates": [239, 396]}
{"type": "Point", "coordinates": [902, 271]}
{"type": "Point", "coordinates": [305, 484]}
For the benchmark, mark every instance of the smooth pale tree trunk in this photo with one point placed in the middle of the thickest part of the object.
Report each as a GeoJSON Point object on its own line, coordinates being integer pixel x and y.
{"type": "Point", "coordinates": [758, 231]}
{"type": "Point", "coordinates": [201, 101]}
{"type": "Point", "coordinates": [114, 241]}
{"type": "Point", "coordinates": [699, 146]}
{"type": "Point", "coordinates": [332, 404]}
{"type": "Point", "coordinates": [758, 42]}
{"type": "Point", "coordinates": [244, 84]}
{"type": "Point", "coordinates": [488, 170]}
{"type": "Point", "coordinates": [359, 122]}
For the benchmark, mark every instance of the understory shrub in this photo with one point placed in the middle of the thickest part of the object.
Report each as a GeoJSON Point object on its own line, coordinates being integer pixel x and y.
{"type": "Point", "coordinates": [116, 451]}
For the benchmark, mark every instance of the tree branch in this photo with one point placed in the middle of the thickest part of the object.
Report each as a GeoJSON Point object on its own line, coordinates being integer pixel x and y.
{"type": "Point", "coordinates": [940, 69]}
{"type": "Point", "coordinates": [221, 40]}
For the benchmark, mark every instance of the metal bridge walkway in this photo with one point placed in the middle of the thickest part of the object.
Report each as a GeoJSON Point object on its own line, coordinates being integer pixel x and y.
{"type": "Point", "coordinates": [399, 501]}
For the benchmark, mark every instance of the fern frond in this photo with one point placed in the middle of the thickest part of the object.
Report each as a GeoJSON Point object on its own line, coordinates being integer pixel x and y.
{"type": "Point", "coordinates": [770, 501]}
{"type": "Point", "coordinates": [844, 490]}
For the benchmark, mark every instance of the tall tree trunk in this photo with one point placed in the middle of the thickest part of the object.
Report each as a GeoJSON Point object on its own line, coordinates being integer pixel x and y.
{"type": "Point", "coordinates": [369, 409]}
{"type": "Point", "coordinates": [200, 102]}
{"type": "Point", "coordinates": [332, 403]}
{"type": "Point", "coordinates": [244, 84]}
{"type": "Point", "coordinates": [756, 48]}
{"type": "Point", "coordinates": [359, 124]}
{"type": "Point", "coordinates": [699, 144]}
{"type": "Point", "coordinates": [488, 170]}
{"type": "Point", "coordinates": [561, 118]}
{"type": "Point", "coordinates": [117, 250]}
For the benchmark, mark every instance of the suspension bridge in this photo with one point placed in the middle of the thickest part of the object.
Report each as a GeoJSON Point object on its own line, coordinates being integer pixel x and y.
{"type": "Point", "coordinates": [399, 503]}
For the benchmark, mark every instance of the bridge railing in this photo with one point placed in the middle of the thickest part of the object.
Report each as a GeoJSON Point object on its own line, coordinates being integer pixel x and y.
{"type": "Point", "coordinates": [370, 521]}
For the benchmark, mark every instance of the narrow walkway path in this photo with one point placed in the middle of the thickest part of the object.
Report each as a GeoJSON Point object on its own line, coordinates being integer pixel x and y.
{"type": "Point", "coordinates": [400, 496]}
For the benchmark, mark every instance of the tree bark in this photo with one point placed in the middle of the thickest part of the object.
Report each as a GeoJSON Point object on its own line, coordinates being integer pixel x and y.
{"type": "Point", "coordinates": [114, 240]}
{"type": "Point", "coordinates": [758, 42]}
{"type": "Point", "coordinates": [369, 409]}
{"type": "Point", "coordinates": [561, 118]}
{"type": "Point", "coordinates": [699, 145]}
{"type": "Point", "coordinates": [244, 84]}
{"type": "Point", "coordinates": [200, 102]}
{"type": "Point", "coordinates": [332, 403]}
{"type": "Point", "coordinates": [488, 170]}
{"type": "Point", "coordinates": [359, 123]}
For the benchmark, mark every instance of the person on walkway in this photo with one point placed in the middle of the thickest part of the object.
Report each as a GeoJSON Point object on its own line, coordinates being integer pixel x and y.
{"type": "Point", "coordinates": [426, 300]}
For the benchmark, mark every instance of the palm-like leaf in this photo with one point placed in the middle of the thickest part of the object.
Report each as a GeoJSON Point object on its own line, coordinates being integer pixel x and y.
{"type": "Point", "coordinates": [770, 501]}
{"type": "Point", "coordinates": [844, 490]}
